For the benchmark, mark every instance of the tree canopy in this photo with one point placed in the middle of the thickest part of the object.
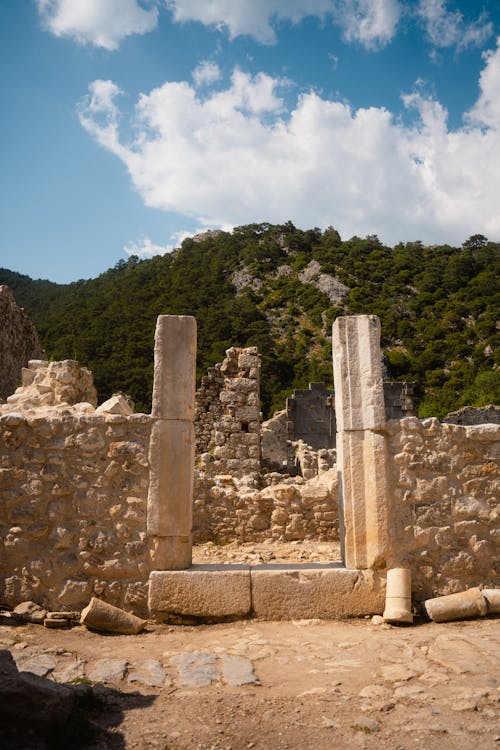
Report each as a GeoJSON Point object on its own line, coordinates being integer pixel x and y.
{"type": "Point", "coordinates": [438, 308]}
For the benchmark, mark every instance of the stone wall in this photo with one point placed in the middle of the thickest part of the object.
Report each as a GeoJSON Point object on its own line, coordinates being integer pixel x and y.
{"type": "Point", "coordinates": [73, 509]}
{"type": "Point", "coordinates": [285, 509]}
{"type": "Point", "coordinates": [227, 415]}
{"type": "Point", "coordinates": [18, 342]}
{"type": "Point", "coordinates": [447, 490]}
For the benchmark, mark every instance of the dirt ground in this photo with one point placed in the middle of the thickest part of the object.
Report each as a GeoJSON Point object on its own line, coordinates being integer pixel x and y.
{"type": "Point", "coordinates": [274, 685]}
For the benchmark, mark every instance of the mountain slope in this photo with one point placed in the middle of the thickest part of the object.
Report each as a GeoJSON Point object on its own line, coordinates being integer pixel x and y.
{"type": "Point", "coordinates": [280, 288]}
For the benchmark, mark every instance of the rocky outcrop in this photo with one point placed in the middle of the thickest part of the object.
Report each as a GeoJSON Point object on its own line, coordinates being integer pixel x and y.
{"type": "Point", "coordinates": [18, 342]}
{"type": "Point", "coordinates": [334, 289]}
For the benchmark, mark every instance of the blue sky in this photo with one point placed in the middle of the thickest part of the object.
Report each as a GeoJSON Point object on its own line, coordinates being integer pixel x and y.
{"type": "Point", "coordinates": [129, 124]}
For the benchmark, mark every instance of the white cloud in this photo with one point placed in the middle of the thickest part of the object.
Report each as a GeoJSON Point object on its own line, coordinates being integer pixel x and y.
{"type": "Point", "coordinates": [487, 108]}
{"type": "Point", "coordinates": [236, 157]}
{"type": "Point", "coordinates": [103, 23]}
{"type": "Point", "coordinates": [146, 248]}
{"type": "Point", "coordinates": [447, 28]}
{"type": "Point", "coordinates": [372, 23]}
{"type": "Point", "coordinates": [206, 73]}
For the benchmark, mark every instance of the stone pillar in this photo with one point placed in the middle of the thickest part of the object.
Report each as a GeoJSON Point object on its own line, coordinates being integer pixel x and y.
{"type": "Point", "coordinates": [171, 452]}
{"type": "Point", "coordinates": [364, 494]}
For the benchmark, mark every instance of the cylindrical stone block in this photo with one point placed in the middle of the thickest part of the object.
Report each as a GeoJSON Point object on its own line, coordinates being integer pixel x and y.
{"type": "Point", "coordinates": [99, 615]}
{"type": "Point", "coordinates": [175, 367]}
{"type": "Point", "coordinates": [492, 597]}
{"type": "Point", "coordinates": [470, 603]}
{"type": "Point", "coordinates": [398, 596]}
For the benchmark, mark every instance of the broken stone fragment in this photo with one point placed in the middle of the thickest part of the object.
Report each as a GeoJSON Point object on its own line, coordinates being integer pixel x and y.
{"type": "Point", "coordinates": [31, 612]}
{"type": "Point", "coordinates": [99, 615]}
{"type": "Point", "coordinates": [60, 619]}
{"type": "Point", "coordinates": [115, 405]}
{"type": "Point", "coordinates": [470, 603]}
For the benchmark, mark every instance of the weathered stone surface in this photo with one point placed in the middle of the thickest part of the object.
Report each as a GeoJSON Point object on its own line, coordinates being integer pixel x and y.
{"type": "Point", "coordinates": [175, 367]}
{"type": "Point", "coordinates": [492, 597]}
{"type": "Point", "coordinates": [470, 603]}
{"type": "Point", "coordinates": [236, 670]}
{"type": "Point", "coordinates": [308, 591]}
{"type": "Point", "coordinates": [357, 372]}
{"type": "Point", "coordinates": [398, 596]}
{"type": "Point", "coordinates": [99, 615]}
{"type": "Point", "coordinates": [171, 450]}
{"type": "Point", "coordinates": [115, 405]}
{"type": "Point", "coordinates": [149, 672]}
{"type": "Point", "coordinates": [366, 499]}
{"type": "Point", "coordinates": [196, 669]}
{"type": "Point", "coordinates": [39, 664]}
{"type": "Point", "coordinates": [446, 481]}
{"type": "Point", "coordinates": [171, 457]}
{"type": "Point", "coordinates": [50, 387]}
{"type": "Point", "coordinates": [73, 495]}
{"type": "Point", "coordinates": [227, 418]}
{"type": "Point", "coordinates": [214, 591]}
{"type": "Point", "coordinates": [18, 342]}
{"type": "Point", "coordinates": [107, 670]}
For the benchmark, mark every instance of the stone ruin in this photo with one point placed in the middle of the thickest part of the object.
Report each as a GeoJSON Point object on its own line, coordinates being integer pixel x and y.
{"type": "Point", "coordinates": [104, 502]}
{"type": "Point", "coordinates": [18, 342]}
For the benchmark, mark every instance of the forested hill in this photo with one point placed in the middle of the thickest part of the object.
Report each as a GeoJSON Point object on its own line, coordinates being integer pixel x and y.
{"type": "Point", "coordinates": [280, 288]}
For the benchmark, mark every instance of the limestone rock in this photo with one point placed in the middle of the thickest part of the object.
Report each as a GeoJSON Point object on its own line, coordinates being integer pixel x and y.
{"type": "Point", "coordinates": [115, 405]}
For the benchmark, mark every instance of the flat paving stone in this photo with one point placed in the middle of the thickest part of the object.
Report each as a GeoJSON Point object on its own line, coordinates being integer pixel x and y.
{"type": "Point", "coordinates": [148, 672]}
{"type": "Point", "coordinates": [236, 670]}
{"type": "Point", "coordinates": [66, 670]}
{"type": "Point", "coordinates": [107, 670]}
{"type": "Point", "coordinates": [196, 669]}
{"type": "Point", "coordinates": [39, 664]}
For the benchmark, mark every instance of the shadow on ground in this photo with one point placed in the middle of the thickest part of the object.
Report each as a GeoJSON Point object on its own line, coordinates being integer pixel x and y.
{"type": "Point", "coordinates": [39, 714]}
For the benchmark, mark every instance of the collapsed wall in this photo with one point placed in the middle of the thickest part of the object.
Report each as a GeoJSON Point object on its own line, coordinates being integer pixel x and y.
{"type": "Point", "coordinates": [227, 415]}
{"type": "Point", "coordinates": [18, 342]}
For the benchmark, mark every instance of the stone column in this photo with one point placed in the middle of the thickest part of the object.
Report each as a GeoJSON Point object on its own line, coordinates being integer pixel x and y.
{"type": "Point", "coordinates": [171, 452]}
{"type": "Point", "coordinates": [364, 494]}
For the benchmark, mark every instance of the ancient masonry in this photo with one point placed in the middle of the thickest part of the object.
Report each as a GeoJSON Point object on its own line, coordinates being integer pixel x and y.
{"type": "Point", "coordinates": [18, 343]}
{"type": "Point", "coordinates": [227, 416]}
{"type": "Point", "coordinates": [104, 502]}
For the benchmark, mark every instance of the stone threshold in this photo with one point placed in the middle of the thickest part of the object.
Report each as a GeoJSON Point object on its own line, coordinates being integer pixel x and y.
{"type": "Point", "coordinates": [271, 591]}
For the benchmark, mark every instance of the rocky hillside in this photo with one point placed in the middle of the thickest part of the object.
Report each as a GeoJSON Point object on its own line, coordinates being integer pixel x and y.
{"type": "Point", "coordinates": [280, 288]}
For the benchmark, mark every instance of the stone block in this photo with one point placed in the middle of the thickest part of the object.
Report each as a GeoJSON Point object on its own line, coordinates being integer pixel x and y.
{"type": "Point", "coordinates": [175, 367]}
{"type": "Point", "coordinates": [207, 591]}
{"type": "Point", "coordinates": [171, 457]}
{"type": "Point", "coordinates": [366, 499]}
{"type": "Point", "coordinates": [286, 592]}
{"type": "Point", "coordinates": [115, 405]}
{"type": "Point", "coordinates": [357, 372]}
